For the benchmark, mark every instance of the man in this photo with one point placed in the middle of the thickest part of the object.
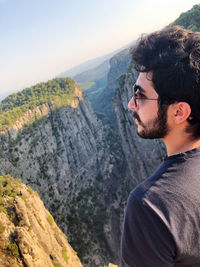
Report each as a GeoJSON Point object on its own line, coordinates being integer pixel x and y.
{"type": "Point", "coordinates": [162, 221]}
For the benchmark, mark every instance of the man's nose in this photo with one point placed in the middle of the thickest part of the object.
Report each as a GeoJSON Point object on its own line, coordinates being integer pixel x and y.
{"type": "Point", "coordinates": [131, 104]}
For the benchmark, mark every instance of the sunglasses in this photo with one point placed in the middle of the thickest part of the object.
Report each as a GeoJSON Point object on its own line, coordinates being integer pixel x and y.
{"type": "Point", "coordinates": [137, 88]}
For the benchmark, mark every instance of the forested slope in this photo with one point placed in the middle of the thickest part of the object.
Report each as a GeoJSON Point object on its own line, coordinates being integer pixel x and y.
{"type": "Point", "coordinates": [58, 92]}
{"type": "Point", "coordinates": [190, 19]}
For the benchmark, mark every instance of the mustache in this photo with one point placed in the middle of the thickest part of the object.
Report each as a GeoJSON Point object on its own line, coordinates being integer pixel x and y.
{"type": "Point", "coordinates": [136, 116]}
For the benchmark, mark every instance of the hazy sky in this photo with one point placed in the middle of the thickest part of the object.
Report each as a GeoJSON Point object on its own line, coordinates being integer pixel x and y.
{"type": "Point", "coordinates": [41, 38]}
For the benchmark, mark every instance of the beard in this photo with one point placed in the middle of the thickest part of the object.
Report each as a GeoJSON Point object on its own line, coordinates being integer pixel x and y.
{"type": "Point", "coordinates": [156, 128]}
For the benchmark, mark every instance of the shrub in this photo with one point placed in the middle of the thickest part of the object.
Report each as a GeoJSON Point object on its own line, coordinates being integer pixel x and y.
{"type": "Point", "coordinates": [50, 219]}
{"type": "Point", "coordinates": [2, 209]}
{"type": "Point", "coordinates": [2, 227]}
{"type": "Point", "coordinates": [64, 254]}
{"type": "Point", "coordinates": [56, 264]}
{"type": "Point", "coordinates": [13, 249]}
{"type": "Point", "coordinates": [23, 197]}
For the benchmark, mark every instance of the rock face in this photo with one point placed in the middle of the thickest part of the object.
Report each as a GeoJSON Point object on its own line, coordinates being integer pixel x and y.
{"type": "Point", "coordinates": [101, 99]}
{"type": "Point", "coordinates": [29, 236]}
{"type": "Point", "coordinates": [142, 156]}
{"type": "Point", "coordinates": [40, 111]}
{"type": "Point", "coordinates": [118, 66]}
{"type": "Point", "coordinates": [75, 164]}
{"type": "Point", "coordinates": [82, 169]}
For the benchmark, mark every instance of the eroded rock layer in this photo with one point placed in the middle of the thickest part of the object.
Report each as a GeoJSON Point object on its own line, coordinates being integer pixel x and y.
{"type": "Point", "coordinates": [29, 236]}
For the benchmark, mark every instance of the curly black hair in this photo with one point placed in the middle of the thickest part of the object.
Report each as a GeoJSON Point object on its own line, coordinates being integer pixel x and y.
{"type": "Point", "coordinates": [173, 56]}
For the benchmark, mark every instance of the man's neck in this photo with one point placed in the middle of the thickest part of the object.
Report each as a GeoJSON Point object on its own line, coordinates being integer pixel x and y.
{"type": "Point", "coordinates": [180, 145]}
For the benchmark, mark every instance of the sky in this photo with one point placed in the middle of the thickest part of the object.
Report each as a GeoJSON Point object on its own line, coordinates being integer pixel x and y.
{"type": "Point", "coordinates": [42, 38]}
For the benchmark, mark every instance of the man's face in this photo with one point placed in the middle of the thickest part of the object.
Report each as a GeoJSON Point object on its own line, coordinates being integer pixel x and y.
{"type": "Point", "coordinates": [150, 119]}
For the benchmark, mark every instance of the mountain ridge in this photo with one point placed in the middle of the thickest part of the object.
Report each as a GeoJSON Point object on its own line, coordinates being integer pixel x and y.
{"type": "Point", "coordinates": [90, 64]}
{"type": "Point", "coordinates": [72, 160]}
{"type": "Point", "coordinates": [31, 103]}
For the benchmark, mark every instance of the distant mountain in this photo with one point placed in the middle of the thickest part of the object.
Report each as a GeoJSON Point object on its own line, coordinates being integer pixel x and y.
{"type": "Point", "coordinates": [90, 77]}
{"type": "Point", "coordinates": [101, 94]}
{"type": "Point", "coordinates": [90, 64]}
{"type": "Point", "coordinates": [189, 19]}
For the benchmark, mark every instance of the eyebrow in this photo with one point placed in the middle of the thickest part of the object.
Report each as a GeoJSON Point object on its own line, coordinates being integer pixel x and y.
{"type": "Point", "coordinates": [138, 87]}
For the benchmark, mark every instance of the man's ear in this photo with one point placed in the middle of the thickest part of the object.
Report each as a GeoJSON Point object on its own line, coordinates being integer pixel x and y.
{"type": "Point", "coordinates": [182, 111]}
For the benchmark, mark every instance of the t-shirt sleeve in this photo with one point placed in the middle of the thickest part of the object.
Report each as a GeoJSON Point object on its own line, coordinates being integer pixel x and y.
{"type": "Point", "coordinates": [146, 241]}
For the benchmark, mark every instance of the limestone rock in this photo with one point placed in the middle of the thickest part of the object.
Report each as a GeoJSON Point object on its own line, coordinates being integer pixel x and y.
{"type": "Point", "coordinates": [29, 235]}
{"type": "Point", "coordinates": [66, 157]}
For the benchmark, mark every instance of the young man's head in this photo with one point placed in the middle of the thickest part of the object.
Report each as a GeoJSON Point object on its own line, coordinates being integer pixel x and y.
{"type": "Point", "coordinates": [169, 62]}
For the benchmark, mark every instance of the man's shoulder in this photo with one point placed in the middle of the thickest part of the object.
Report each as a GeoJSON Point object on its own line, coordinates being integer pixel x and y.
{"type": "Point", "coordinates": [177, 176]}
{"type": "Point", "coordinates": [174, 187]}
{"type": "Point", "coordinates": [171, 193]}
{"type": "Point", "coordinates": [157, 180]}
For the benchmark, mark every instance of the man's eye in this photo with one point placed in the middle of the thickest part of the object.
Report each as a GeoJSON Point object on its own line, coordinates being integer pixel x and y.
{"type": "Point", "coordinates": [140, 95]}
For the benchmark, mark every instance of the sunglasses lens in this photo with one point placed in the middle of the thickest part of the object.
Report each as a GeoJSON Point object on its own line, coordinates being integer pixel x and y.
{"type": "Point", "coordinates": [135, 101]}
{"type": "Point", "coordinates": [134, 98]}
{"type": "Point", "coordinates": [134, 95]}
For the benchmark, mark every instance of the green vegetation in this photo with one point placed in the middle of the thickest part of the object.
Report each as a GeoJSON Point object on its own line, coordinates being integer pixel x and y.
{"type": "Point", "coordinates": [29, 189]}
{"type": "Point", "coordinates": [2, 227]}
{"type": "Point", "coordinates": [122, 54]}
{"type": "Point", "coordinates": [93, 82]}
{"type": "Point", "coordinates": [8, 187]}
{"type": "Point", "coordinates": [110, 265]}
{"type": "Point", "coordinates": [86, 85]}
{"type": "Point", "coordinates": [64, 254]}
{"type": "Point", "coordinates": [101, 94]}
{"type": "Point", "coordinates": [23, 197]}
{"type": "Point", "coordinates": [121, 79]}
{"type": "Point", "coordinates": [13, 249]}
{"type": "Point", "coordinates": [190, 19]}
{"type": "Point", "coordinates": [94, 74]}
{"type": "Point", "coordinates": [56, 264]}
{"type": "Point", "coordinates": [2, 209]}
{"type": "Point", "coordinates": [89, 215]}
{"type": "Point", "coordinates": [59, 91]}
{"type": "Point", "coordinates": [50, 219]}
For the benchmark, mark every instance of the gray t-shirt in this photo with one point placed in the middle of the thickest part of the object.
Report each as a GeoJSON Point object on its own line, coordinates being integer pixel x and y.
{"type": "Point", "coordinates": [162, 221]}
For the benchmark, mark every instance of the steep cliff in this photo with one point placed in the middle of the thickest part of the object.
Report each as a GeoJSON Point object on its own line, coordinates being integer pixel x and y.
{"type": "Point", "coordinates": [82, 170]}
{"type": "Point", "coordinates": [101, 98]}
{"type": "Point", "coordinates": [142, 156]}
{"type": "Point", "coordinates": [29, 236]}
{"type": "Point", "coordinates": [76, 165]}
